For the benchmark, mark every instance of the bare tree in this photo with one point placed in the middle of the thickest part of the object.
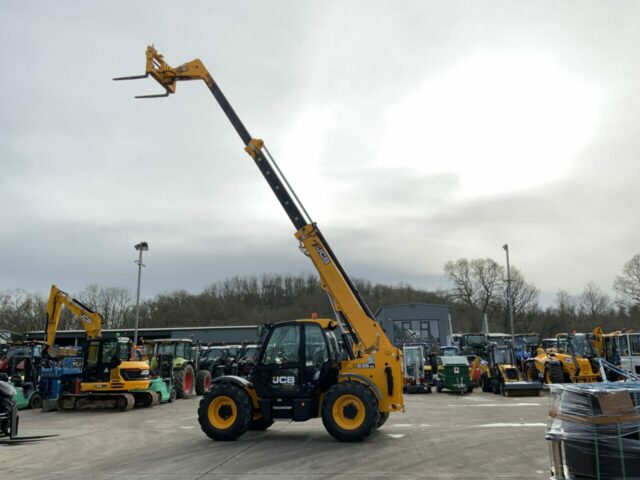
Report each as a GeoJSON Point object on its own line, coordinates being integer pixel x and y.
{"type": "Point", "coordinates": [21, 311]}
{"type": "Point", "coordinates": [113, 303]}
{"type": "Point", "coordinates": [627, 285]}
{"type": "Point", "coordinates": [524, 298]}
{"type": "Point", "coordinates": [593, 303]}
{"type": "Point", "coordinates": [476, 284]}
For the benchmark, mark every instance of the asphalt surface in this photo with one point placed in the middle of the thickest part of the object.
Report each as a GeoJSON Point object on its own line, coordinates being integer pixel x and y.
{"type": "Point", "coordinates": [477, 436]}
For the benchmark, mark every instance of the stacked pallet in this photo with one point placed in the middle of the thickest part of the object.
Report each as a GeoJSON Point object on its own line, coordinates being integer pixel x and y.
{"type": "Point", "coordinates": [594, 431]}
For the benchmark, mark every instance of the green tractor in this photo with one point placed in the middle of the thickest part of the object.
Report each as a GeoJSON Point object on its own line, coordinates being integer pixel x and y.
{"type": "Point", "coordinates": [187, 378]}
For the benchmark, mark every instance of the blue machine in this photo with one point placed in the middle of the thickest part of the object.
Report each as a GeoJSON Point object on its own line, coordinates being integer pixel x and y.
{"type": "Point", "coordinates": [60, 376]}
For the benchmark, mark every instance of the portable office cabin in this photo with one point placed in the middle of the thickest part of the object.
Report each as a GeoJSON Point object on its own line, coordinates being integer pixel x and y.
{"type": "Point", "coordinates": [412, 322]}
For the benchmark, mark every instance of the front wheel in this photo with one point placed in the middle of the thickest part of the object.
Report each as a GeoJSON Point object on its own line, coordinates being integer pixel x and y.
{"type": "Point", "coordinates": [225, 413]}
{"type": "Point", "coordinates": [35, 401]}
{"type": "Point", "coordinates": [350, 412]}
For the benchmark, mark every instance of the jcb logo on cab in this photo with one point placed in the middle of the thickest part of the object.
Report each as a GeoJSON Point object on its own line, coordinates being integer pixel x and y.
{"type": "Point", "coordinates": [284, 380]}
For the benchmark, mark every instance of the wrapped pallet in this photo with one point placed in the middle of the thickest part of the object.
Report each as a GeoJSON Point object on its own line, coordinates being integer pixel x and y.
{"type": "Point", "coordinates": [594, 431]}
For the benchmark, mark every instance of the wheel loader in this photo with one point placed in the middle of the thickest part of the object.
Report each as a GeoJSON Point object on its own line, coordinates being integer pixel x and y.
{"type": "Point", "coordinates": [573, 360]}
{"type": "Point", "coordinates": [344, 370]}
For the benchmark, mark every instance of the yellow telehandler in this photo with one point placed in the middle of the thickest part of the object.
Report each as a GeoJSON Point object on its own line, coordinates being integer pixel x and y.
{"type": "Point", "coordinates": [346, 370]}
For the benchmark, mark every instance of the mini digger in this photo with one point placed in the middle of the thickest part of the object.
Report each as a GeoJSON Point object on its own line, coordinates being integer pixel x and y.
{"type": "Point", "coordinates": [345, 371]}
{"type": "Point", "coordinates": [108, 378]}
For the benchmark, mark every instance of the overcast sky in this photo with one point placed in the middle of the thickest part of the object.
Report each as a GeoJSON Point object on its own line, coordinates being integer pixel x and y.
{"type": "Point", "coordinates": [414, 133]}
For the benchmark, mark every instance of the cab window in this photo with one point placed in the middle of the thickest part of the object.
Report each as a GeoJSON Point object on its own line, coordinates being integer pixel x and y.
{"type": "Point", "coordinates": [283, 346]}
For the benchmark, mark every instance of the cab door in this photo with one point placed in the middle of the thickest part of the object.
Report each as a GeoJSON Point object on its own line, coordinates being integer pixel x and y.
{"type": "Point", "coordinates": [279, 371]}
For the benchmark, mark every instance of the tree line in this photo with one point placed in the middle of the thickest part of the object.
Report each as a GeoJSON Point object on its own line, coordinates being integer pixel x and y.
{"type": "Point", "coordinates": [477, 288]}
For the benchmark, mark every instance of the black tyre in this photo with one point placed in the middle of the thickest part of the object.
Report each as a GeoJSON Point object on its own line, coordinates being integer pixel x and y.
{"type": "Point", "coordinates": [532, 373]}
{"type": "Point", "coordinates": [470, 389]}
{"type": "Point", "coordinates": [485, 383]}
{"type": "Point", "coordinates": [184, 381]}
{"type": "Point", "coordinates": [7, 405]}
{"type": "Point", "coordinates": [439, 386]}
{"type": "Point", "coordinates": [260, 424]}
{"type": "Point", "coordinates": [203, 382]}
{"type": "Point", "coordinates": [495, 386]}
{"type": "Point", "coordinates": [173, 395]}
{"type": "Point", "coordinates": [35, 401]}
{"type": "Point", "coordinates": [384, 416]}
{"type": "Point", "coordinates": [225, 413]}
{"type": "Point", "coordinates": [553, 374]}
{"type": "Point", "coordinates": [350, 412]}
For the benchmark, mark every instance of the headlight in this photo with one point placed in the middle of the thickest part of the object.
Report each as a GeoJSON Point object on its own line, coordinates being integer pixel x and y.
{"type": "Point", "coordinates": [569, 361]}
{"type": "Point", "coordinates": [144, 373]}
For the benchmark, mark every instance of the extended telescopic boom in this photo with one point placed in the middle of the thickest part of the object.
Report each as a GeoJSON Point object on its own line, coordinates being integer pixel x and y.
{"type": "Point", "coordinates": [353, 311]}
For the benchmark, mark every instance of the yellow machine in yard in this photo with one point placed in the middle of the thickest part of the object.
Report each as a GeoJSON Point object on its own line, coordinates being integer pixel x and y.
{"type": "Point", "coordinates": [500, 374]}
{"type": "Point", "coordinates": [108, 378]}
{"type": "Point", "coordinates": [571, 361]}
{"type": "Point", "coordinates": [346, 370]}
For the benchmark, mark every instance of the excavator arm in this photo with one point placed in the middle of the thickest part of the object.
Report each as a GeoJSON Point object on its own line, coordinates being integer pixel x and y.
{"type": "Point", "coordinates": [91, 321]}
{"type": "Point", "coordinates": [365, 333]}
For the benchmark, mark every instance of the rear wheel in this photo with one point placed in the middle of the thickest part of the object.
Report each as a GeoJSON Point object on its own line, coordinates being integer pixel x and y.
{"type": "Point", "coordinates": [183, 379]}
{"type": "Point", "coordinates": [350, 412]}
{"type": "Point", "coordinates": [553, 374]}
{"type": "Point", "coordinates": [203, 382]}
{"type": "Point", "coordinates": [225, 413]}
{"type": "Point", "coordinates": [439, 386]}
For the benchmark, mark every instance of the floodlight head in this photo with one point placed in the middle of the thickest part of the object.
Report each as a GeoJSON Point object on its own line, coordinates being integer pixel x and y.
{"type": "Point", "coordinates": [144, 246]}
{"type": "Point", "coordinates": [506, 247]}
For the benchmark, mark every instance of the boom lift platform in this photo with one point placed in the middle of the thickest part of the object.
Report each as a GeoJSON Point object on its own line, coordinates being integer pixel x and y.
{"type": "Point", "coordinates": [301, 372]}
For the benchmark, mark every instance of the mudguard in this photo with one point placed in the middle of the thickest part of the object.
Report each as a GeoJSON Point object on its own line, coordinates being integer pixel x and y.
{"type": "Point", "coordinates": [239, 381]}
{"type": "Point", "coordinates": [364, 380]}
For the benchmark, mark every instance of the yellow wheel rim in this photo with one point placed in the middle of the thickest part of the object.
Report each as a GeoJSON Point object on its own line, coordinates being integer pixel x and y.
{"type": "Point", "coordinates": [348, 412]}
{"type": "Point", "coordinates": [222, 412]}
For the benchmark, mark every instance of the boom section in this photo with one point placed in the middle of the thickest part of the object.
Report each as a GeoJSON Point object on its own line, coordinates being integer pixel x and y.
{"type": "Point", "coordinates": [365, 332]}
{"type": "Point", "coordinates": [91, 321]}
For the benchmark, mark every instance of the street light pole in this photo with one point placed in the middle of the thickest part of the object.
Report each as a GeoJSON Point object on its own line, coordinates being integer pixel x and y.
{"type": "Point", "coordinates": [509, 299]}
{"type": "Point", "coordinates": [141, 247]}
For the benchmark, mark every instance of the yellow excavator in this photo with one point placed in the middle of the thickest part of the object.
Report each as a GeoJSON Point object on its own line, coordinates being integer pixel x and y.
{"type": "Point", "coordinates": [108, 379]}
{"type": "Point", "coordinates": [345, 371]}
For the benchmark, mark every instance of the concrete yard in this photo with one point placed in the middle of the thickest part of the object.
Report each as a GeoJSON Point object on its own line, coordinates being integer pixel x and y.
{"type": "Point", "coordinates": [477, 436]}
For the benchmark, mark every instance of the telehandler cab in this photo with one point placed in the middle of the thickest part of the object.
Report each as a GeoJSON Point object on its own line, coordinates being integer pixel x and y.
{"type": "Point", "coordinates": [345, 371]}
